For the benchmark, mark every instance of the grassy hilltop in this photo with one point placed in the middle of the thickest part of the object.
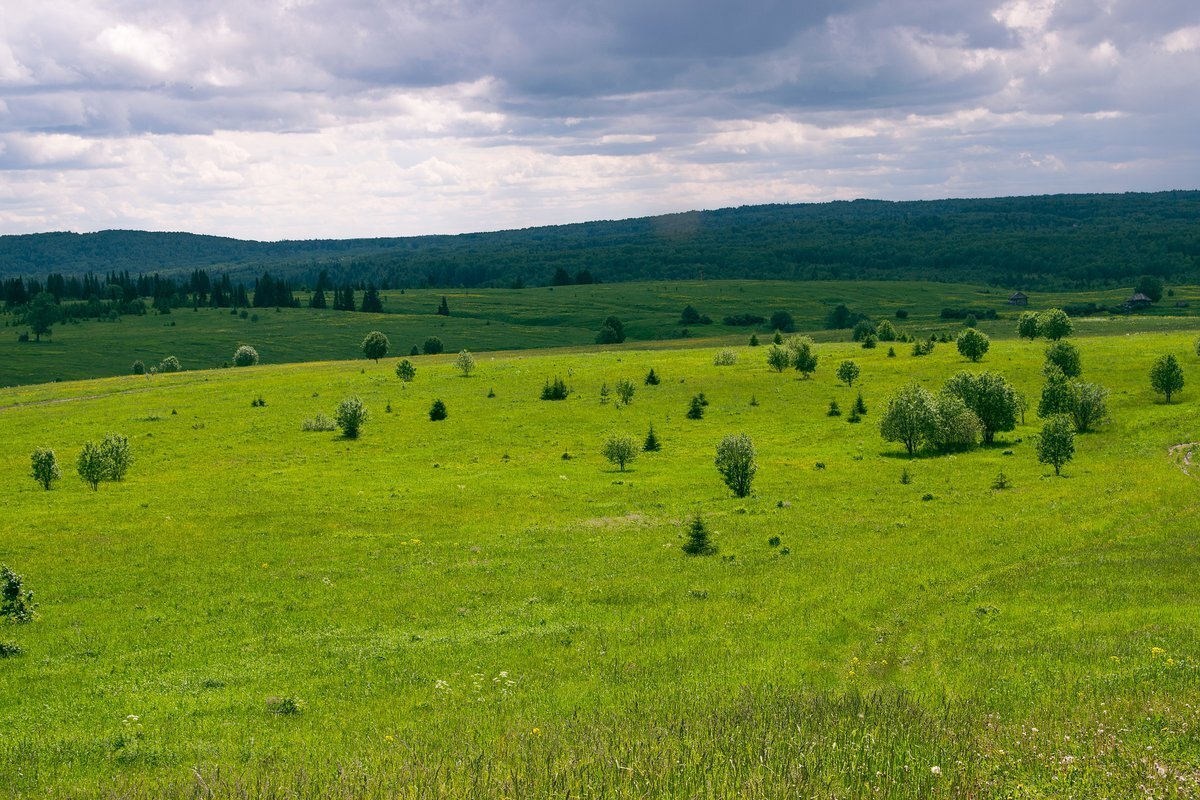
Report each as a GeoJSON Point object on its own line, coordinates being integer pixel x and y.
{"type": "Point", "coordinates": [485, 607]}
{"type": "Point", "coordinates": [507, 319]}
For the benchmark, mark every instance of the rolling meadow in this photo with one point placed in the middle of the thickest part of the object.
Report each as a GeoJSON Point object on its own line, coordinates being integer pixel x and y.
{"type": "Point", "coordinates": [485, 606]}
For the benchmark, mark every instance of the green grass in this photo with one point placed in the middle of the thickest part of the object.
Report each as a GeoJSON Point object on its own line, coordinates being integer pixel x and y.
{"type": "Point", "coordinates": [462, 611]}
{"type": "Point", "coordinates": [506, 319]}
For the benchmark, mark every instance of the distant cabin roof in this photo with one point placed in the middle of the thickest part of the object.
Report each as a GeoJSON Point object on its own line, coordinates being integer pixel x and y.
{"type": "Point", "coordinates": [1140, 298]}
{"type": "Point", "coordinates": [1018, 294]}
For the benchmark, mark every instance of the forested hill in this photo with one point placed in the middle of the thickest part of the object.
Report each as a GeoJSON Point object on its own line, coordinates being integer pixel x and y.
{"type": "Point", "coordinates": [1043, 242]}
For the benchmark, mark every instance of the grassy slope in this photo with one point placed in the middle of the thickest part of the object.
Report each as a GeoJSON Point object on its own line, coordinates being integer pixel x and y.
{"type": "Point", "coordinates": [243, 559]}
{"type": "Point", "coordinates": [498, 319]}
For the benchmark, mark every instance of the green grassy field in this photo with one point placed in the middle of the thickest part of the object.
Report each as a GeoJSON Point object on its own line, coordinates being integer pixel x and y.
{"type": "Point", "coordinates": [506, 319]}
{"type": "Point", "coordinates": [485, 607]}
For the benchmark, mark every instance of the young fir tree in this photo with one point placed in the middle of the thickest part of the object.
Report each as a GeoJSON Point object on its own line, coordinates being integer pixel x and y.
{"type": "Point", "coordinates": [652, 444]}
{"type": "Point", "coordinates": [699, 541]}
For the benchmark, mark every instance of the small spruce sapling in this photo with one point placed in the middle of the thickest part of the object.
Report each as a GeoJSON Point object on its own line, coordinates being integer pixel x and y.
{"type": "Point", "coordinates": [437, 411]}
{"type": "Point", "coordinates": [699, 542]}
{"type": "Point", "coordinates": [696, 408]}
{"type": "Point", "coordinates": [652, 378]}
{"type": "Point", "coordinates": [652, 444]}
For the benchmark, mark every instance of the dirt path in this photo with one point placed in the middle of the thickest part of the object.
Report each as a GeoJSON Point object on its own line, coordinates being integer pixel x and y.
{"type": "Point", "coordinates": [55, 400]}
{"type": "Point", "coordinates": [1182, 455]}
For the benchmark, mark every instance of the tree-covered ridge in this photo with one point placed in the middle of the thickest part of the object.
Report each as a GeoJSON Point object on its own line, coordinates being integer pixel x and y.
{"type": "Point", "coordinates": [1043, 242]}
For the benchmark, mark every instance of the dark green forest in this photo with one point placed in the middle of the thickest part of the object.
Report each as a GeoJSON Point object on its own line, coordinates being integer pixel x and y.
{"type": "Point", "coordinates": [1044, 242]}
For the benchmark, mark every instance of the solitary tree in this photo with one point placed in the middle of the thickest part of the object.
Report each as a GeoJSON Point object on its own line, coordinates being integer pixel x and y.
{"type": "Point", "coordinates": [804, 358]}
{"type": "Point", "coordinates": [973, 344]}
{"type": "Point", "coordinates": [699, 541]}
{"type": "Point", "coordinates": [375, 345]}
{"type": "Point", "coordinates": [777, 358]}
{"type": "Point", "coordinates": [696, 408]}
{"type": "Point", "coordinates": [736, 462]}
{"type": "Point", "coordinates": [652, 444]}
{"type": "Point", "coordinates": [619, 450]}
{"type": "Point", "coordinates": [1151, 286]}
{"type": "Point", "coordinates": [45, 467]}
{"type": "Point", "coordinates": [611, 332]}
{"type": "Point", "coordinates": [1054, 324]}
{"type": "Point", "coordinates": [245, 356]}
{"type": "Point", "coordinates": [169, 364]}
{"type": "Point", "coordinates": [443, 308]}
{"type": "Point", "coordinates": [117, 455]}
{"type": "Point", "coordinates": [465, 363]}
{"type": "Point", "coordinates": [848, 372]}
{"type": "Point", "coordinates": [782, 321]}
{"type": "Point", "coordinates": [91, 465]}
{"type": "Point", "coordinates": [351, 415]}
{"type": "Point", "coordinates": [432, 346]}
{"type": "Point", "coordinates": [1027, 325]}
{"type": "Point", "coordinates": [41, 314]}
{"type": "Point", "coordinates": [437, 411]}
{"type": "Point", "coordinates": [1056, 443]}
{"type": "Point", "coordinates": [625, 390]}
{"type": "Point", "coordinates": [1065, 356]}
{"type": "Point", "coordinates": [1166, 376]}
{"type": "Point", "coordinates": [909, 417]}
{"type": "Point", "coordinates": [405, 370]}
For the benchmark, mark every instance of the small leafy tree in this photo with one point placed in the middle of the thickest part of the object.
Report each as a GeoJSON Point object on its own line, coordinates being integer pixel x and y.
{"type": "Point", "coordinates": [1056, 443]}
{"type": "Point", "coordinates": [699, 541]}
{"type": "Point", "coordinates": [652, 444]}
{"type": "Point", "coordinates": [465, 363]}
{"type": "Point", "coordinates": [909, 417]}
{"type": "Point", "coordinates": [1027, 325]}
{"type": "Point", "coordinates": [782, 321]}
{"type": "Point", "coordinates": [350, 416]}
{"type": "Point", "coordinates": [955, 427]}
{"type": "Point", "coordinates": [1090, 407]}
{"type": "Point", "coordinates": [777, 358]}
{"type": "Point", "coordinates": [991, 397]}
{"type": "Point", "coordinates": [803, 356]}
{"type": "Point", "coordinates": [696, 408]}
{"type": "Point", "coordinates": [117, 455]}
{"type": "Point", "coordinates": [16, 602]}
{"type": "Point", "coordinates": [45, 467]}
{"type": "Point", "coordinates": [652, 378]}
{"type": "Point", "coordinates": [41, 314]}
{"type": "Point", "coordinates": [725, 358]}
{"type": "Point", "coordinates": [170, 364]}
{"type": "Point", "coordinates": [848, 372]}
{"type": "Point", "coordinates": [375, 345]}
{"type": "Point", "coordinates": [139, 367]}
{"type": "Point", "coordinates": [91, 465]}
{"type": "Point", "coordinates": [625, 390]}
{"type": "Point", "coordinates": [1065, 356]}
{"type": "Point", "coordinates": [432, 346]}
{"type": "Point", "coordinates": [437, 411]}
{"type": "Point", "coordinates": [1151, 286]}
{"type": "Point", "coordinates": [619, 450]}
{"type": "Point", "coordinates": [1166, 376]}
{"type": "Point", "coordinates": [245, 356]}
{"type": "Point", "coordinates": [973, 344]}
{"type": "Point", "coordinates": [1054, 324]}
{"type": "Point", "coordinates": [611, 332]}
{"type": "Point", "coordinates": [1058, 393]}
{"type": "Point", "coordinates": [405, 370]}
{"type": "Point", "coordinates": [736, 462]}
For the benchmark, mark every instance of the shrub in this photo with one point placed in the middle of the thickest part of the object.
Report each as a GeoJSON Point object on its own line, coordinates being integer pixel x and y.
{"type": "Point", "coordinates": [285, 706]}
{"type": "Point", "coordinates": [736, 462]}
{"type": "Point", "coordinates": [432, 346]}
{"type": "Point", "coordinates": [869, 342]}
{"type": "Point", "coordinates": [699, 541]}
{"type": "Point", "coordinates": [619, 450]}
{"type": "Point", "coordinates": [258, 402]}
{"type": "Point", "coordinates": [139, 367]}
{"type": "Point", "coordinates": [696, 408]}
{"type": "Point", "coordinates": [833, 411]}
{"type": "Point", "coordinates": [652, 378]}
{"type": "Point", "coordinates": [1065, 356]}
{"type": "Point", "coordinates": [848, 372]}
{"type": "Point", "coordinates": [45, 467]}
{"type": "Point", "coordinates": [782, 321]}
{"type": "Point", "coordinates": [375, 345]}
{"type": "Point", "coordinates": [437, 411]}
{"type": "Point", "coordinates": [351, 415]}
{"type": "Point", "coordinates": [245, 356]}
{"type": "Point", "coordinates": [955, 426]}
{"type": "Point", "coordinates": [1054, 324]}
{"type": "Point", "coordinates": [1001, 481]}
{"type": "Point", "coordinates": [465, 363]}
{"type": "Point", "coordinates": [901, 313]}
{"type": "Point", "coordinates": [860, 406]}
{"type": "Point", "coordinates": [924, 348]}
{"type": "Point", "coordinates": [885, 331]}
{"type": "Point", "coordinates": [691, 316]}
{"type": "Point", "coordinates": [973, 344]}
{"type": "Point", "coordinates": [611, 332]}
{"type": "Point", "coordinates": [862, 329]}
{"type": "Point", "coordinates": [1056, 443]}
{"type": "Point", "coordinates": [891, 352]}
{"type": "Point", "coordinates": [1166, 376]}
{"type": "Point", "coordinates": [777, 358]}
{"type": "Point", "coordinates": [114, 448]}
{"type": "Point", "coordinates": [91, 466]}
{"type": "Point", "coordinates": [10, 649]}
{"type": "Point", "coordinates": [16, 602]}
{"type": "Point", "coordinates": [991, 397]}
{"type": "Point", "coordinates": [405, 370]}
{"type": "Point", "coordinates": [754, 342]}
{"type": "Point", "coordinates": [625, 390]}
{"type": "Point", "coordinates": [318, 423]}
{"type": "Point", "coordinates": [743, 320]}
{"type": "Point", "coordinates": [725, 358]}
{"type": "Point", "coordinates": [1090, 407]}
{"type": "Point", "coordinates": [169, 364]}
{"type": "Point", "coordinates": [555, 390]}
{"type": "Point", "coordinates": [803, 357]}
{"type": "Point", "coordinates": [652, 444]}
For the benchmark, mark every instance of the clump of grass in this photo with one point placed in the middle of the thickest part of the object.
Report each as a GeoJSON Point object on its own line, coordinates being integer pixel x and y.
{"type": "Point", "coordinates": [258, 402]}
{"type": "Point", "coordinates": [10, 649]}
{"type": "Point", "coordinates": [285, 706]}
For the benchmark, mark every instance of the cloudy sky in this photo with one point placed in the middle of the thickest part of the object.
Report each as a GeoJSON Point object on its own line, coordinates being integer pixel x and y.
{"type": "Point", "coordinates": [272, 119]}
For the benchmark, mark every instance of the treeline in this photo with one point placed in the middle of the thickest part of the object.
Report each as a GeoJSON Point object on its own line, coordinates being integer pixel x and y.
{"type": "Point", "coordinates": [1045, 242]}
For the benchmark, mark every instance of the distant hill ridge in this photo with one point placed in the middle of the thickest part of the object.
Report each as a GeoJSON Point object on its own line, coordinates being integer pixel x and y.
{"type": "Point", "coordinates": [1048, 241]}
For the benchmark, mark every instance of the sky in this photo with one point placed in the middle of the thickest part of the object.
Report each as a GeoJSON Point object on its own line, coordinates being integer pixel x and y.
{"type": "Point", "coordinates": [273, 119]}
